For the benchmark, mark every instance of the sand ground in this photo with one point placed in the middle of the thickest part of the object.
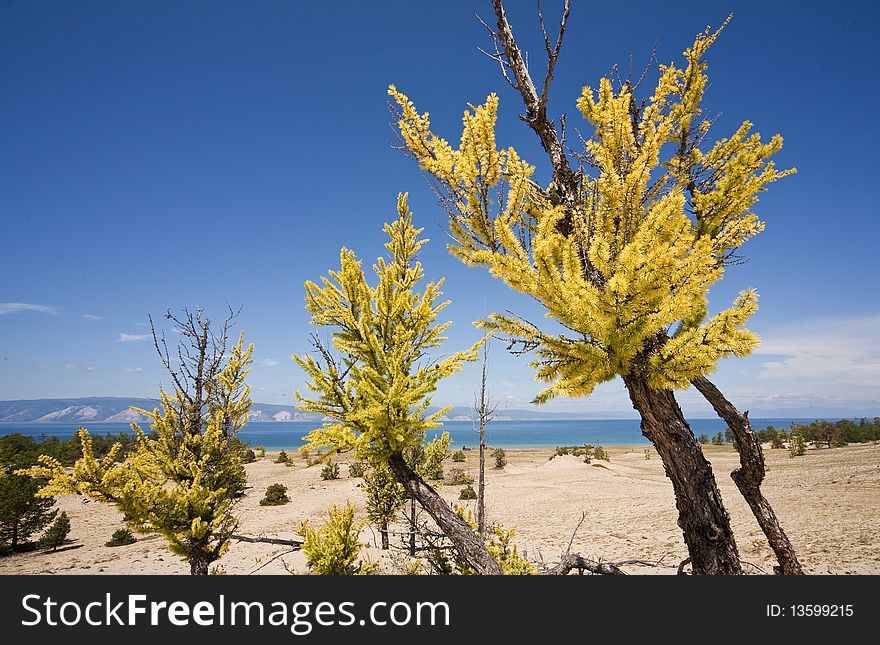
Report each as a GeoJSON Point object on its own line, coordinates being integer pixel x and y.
{"type": "Point", "coordinates": [828, 501]}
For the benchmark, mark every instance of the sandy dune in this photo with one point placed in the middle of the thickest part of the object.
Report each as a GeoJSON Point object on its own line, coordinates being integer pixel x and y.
{"type": "Point", "coordinates": [827, 501]}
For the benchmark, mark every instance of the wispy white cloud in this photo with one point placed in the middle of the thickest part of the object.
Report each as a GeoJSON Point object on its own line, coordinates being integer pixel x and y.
{"type": "Point", "coordinates": [269, 362]}
{"type": "Point", "coordinates": [841, 350]}
{"type": "Point", "coordinates": [90, 317]}
{"type": "Point", "coordinates": [20, 307]}
{"type": "Point", "coordinates": [76, 366]}
{"type": "Point", "coordinates": [132, 370]}
{"type": "Point", "coordinates": [132, 338]}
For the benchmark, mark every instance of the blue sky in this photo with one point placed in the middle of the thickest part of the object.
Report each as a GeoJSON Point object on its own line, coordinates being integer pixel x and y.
{"type": "Point", "coordinates": [167, 154]}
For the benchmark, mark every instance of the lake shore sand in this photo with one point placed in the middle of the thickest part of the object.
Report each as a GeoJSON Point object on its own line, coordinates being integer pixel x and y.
{"type": "Point", "coordinates": [827, 501]}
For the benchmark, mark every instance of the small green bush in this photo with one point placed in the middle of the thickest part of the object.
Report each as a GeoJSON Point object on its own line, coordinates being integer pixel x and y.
{"type": "Point", "coordinates": [600, 453]}
{"type": "Point", "coordinates": [703, 438]}
{"type": "Point", "coordinates": [55, 534]}
{"type": "Point", "coordinates": [248, 456]}
{"type": "Point", "coordinates": [330, 471]}
{"type": "Point", "coordinates": [121, 537]}
{"type": "Point", "coordinates": [458, 456]}
{"type": "Point", "coordinates": [276, 495]}
{"type": "Point", "coordinates": [797, 447]}
{"type": "Point", "coordinates": [261, 451]}
{"type": "Point", "coordinates": [283, 458]}
{"type": "Point", "coordinates": [467, 492]}
{"type": "Point", "coordinates": [500, 457]}
{"type": "Point", "coordinates": [357, 469]}
{"type": "Point", "coordinates": [718, 439]}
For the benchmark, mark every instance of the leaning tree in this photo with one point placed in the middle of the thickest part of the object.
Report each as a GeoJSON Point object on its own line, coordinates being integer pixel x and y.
{"type": "Point", "coordinates": [621, 248]}
{"type": "Point", "coordinates": [374, 382]}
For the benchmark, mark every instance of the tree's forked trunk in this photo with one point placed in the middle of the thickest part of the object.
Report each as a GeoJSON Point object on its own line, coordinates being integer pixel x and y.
{"type": "Point", "coordinates": [702, 517]}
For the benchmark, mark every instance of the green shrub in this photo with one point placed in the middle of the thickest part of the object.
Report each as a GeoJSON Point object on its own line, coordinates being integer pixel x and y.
{"type": "Point", "coordinates": [718, 439]}
{"type": "Point", "coordinates": [248, 456]}
{"type": "Point", "coordinates": [121, 537]}
{"type": "Point", "coordinates": [261, 451]}
{"type": "Point", "coordinates": [500, 457]}
{"type": "Point", "coordinates": [600, 453]}
{"type": "Point", "coordinates": [797, 447]}
{"type": "Point", "coordinates": [330, 471]}
{"type": "Point", "coordinates": [283, 458]}
{"type": "Point", "coordinates": [276, 495]}
{"type": "Point", "coordinates": [703, 438]}
{"type": "Point", "coordinates": [55, 534]}
{"type": "Point", "coordinates": [458, 456]}
{"type": "Point", "coordinates": [357, 469]}
{"type": "Point", "coordinates": [333, 549]}
{"type": "Point", "coordinates": [457, 476]}
{"type": "Point", "coordinates": [467, 492]}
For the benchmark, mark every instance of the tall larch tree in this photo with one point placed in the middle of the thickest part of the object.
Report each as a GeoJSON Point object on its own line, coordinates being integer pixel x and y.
{"type": "Point", "coordinates": [184, 481]}
{"type": "Point", "coordinates": [621, 249]}
{"type": "Point", "coordinates": [375, 381]}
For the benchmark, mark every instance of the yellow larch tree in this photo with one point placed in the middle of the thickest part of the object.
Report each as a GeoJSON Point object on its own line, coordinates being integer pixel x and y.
{"type": "Point", "coordinates": [375, 381]}
{"type": "Point", "coordinates": [183, 480]}
{"type": "Point", "coordinates": [620, 251]}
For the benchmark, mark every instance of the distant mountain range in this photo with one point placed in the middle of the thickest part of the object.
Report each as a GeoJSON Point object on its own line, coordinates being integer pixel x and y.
{"type": "Point", "coordinates": [118, 410]}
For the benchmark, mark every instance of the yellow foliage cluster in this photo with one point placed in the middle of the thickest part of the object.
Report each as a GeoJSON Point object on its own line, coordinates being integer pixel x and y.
{"type": "Point", "coordinates": [377, 392]}
{"type": "Point", "coordinates": [181, 482]}
{"type": "Point", "coordinates": [626, 269]}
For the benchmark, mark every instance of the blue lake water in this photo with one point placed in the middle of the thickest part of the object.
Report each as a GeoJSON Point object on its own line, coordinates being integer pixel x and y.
{"type": "Point", "coordinates": [500, 434]}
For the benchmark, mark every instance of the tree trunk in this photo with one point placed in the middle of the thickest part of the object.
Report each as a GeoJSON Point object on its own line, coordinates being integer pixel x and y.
{"type": "Point", "coordinates": [198, 563]}
{"type": "Point", "coordinates": [14, 542]}
{"type": "Point", "coordinates": [383, 531]}
{"type": "Point", "coordinates": [702, 517]}
{"type": "Point", "coordinates": [481, 500]}
{"type": "Point", "coordinates": [750, 474]}
{"type": "Point", "coordinates": [467, 544]}
{"type": "Point", "coordinates": [412, 525]}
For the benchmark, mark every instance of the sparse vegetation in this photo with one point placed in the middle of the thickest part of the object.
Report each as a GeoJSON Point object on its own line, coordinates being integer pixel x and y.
{"type": "Point", "coordinates": [458, 456]}
{"type": "Point", "coordinates": [467, 492]}
{"type": "Point", "coordinates": [276, 495]}
{"type": "Point", "coordinates": [357, 469]}
{"type": "Point", "coordinates": [283, 457]}
{"type": "Point", "coordinates": [333, 549]}
{"type": "Point", "coordinates": [330, 471]}
{"type": "Point", "coordinates": [457, 477]}
{"type": "Point", "coordinates": [121, 537]}
{"type": "Point", "coordinates": [500, 457]}
{"type": "Point", "coordinates": [797, 447]}
{"type": "Point", "coordinates": [55, 534]}
{"type": "Point", "coordinates": [22, 512]}
{"type": "Point", "coordinates": [385, 497]}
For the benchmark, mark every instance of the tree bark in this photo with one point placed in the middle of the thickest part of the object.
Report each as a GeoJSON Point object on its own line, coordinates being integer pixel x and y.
{"type": "Point", "coordinates": [267, 540]}
{"type": "Point", "coordinates": [412, 525]}
{"type": "Point", "coordinates": [750, 474]}
{"type": "Point", "coordinates": [702, 517]}
{"type": "Point", "coordinates": [466, 543]}
{"type": "Point", "coordinates": [572, 561]}
{"type": "Point", "coordinates": [383, 531]}
{"type": "Point", "coordinates": [481, 492]}
{"type": "Point", "coordinates": [198, 563]}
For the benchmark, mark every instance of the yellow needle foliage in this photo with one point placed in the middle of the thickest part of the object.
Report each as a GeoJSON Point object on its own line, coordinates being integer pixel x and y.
{"type": "Point", "coordinates": [376, 393]}
{"type": "Point", "coordinates": [626, 268]}
{"type": "Point", "coordinates": [182, 482]}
